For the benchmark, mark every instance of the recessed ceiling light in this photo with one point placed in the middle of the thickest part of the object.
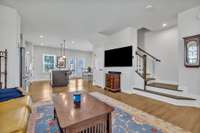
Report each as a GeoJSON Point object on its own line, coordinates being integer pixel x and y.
{"type": "Point", "coordinates": [73, 42]}
{"type": "Point", "coordinates": [41, 36]}
{"type": "Point", "coordinates": [164, 25]}
{"type": "Point", "coordinates": [148, 6]}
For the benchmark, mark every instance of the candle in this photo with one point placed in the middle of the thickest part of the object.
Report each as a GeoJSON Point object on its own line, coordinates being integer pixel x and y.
{"type": "Point", "coordinates": [77, 98]}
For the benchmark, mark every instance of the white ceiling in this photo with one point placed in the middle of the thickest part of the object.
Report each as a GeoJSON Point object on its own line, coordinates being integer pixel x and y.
{"type": "Point", "coordinates": [79, 19]}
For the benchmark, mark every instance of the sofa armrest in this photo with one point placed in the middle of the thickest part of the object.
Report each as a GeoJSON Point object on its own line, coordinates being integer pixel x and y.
{"type": "Point", "coordinates": [15, 103]}
{"type": "Point", "coordinates": [23, 91]}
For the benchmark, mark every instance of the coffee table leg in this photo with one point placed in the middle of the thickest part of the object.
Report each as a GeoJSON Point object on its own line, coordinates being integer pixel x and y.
{"type": "Point", "coordinates": [55, 118]}
{"type": "Point", "coordinates": [54, 112]}
{"type": "Point", "coordinates": [65, 130]}
{"type": "Point", "coordinates": [109, 122]}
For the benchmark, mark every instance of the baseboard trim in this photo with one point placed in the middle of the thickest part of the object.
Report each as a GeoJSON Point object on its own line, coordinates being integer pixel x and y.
{"type": "Point", "coordinates": [43, 80]}
{"type": "Point", "coordinates": [126, 91]}
{"type": "Point", "coordinates": [98, 86]}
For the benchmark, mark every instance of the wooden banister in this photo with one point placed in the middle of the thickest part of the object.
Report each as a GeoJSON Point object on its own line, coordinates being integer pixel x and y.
{"type": "Point", "coordinates": [3, 57]}
{"type": "Point", "coordinates": [139, 54]}
{"type": "Point", "coordinates": [145, 70]}
{"type": "Point", "coordinates": [156, 59]}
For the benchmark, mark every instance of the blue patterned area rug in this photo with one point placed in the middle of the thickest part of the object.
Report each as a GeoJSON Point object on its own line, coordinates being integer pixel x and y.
{"type": "Point", "coordinates": [125, 119]}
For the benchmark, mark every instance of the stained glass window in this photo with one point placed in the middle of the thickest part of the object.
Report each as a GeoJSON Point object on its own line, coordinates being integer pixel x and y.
{"type": "Point", "coordinates": [192, 57]}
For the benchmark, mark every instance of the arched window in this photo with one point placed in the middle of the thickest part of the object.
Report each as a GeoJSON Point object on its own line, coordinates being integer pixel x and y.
{"type": "Point", "coordinates": [192, 51]}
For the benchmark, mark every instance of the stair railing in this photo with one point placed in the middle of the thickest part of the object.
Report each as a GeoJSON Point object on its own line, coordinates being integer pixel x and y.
{"type": "Point", "coordinates": [141, 67]}
{"type": "Point", "coordinates": [148, 54]}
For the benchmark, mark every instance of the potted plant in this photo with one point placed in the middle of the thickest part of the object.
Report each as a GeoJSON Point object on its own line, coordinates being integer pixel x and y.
{"type": "Point", "coordinates": [89, 69]}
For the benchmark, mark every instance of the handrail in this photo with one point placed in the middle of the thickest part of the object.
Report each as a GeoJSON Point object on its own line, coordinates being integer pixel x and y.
{"type": "Point", "coordinates": [138, 54]}
{"type": "Point", "coordinates": [149, 54]}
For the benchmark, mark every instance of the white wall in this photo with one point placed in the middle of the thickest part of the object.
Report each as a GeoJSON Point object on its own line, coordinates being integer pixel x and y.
{"type": "Point", "coordinates": [98, 69]}
{"type": "Point", "coordinates": [141, 33]}
{"type": "Point", "coordinates": [99, 41]}
{"type": "Point", "coordinates": [9, 39]}
{"type": "Point", "coordinates": [164, 46]}
{"type": "Point", "coordinates": [188, 25]}
{"type": "Point", "coordinates": [125, 37]}
{"type": "Point", "coordinates": [38, 52]}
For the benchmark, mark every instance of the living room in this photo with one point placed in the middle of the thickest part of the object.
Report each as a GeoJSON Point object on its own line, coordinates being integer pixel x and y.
{"type": "Point", "coordinates": [99, 67]}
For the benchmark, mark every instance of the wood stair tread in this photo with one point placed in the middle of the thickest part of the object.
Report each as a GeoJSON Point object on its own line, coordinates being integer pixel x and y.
{"type": "Point", "coordinates": [166, 95]}
{"type": "Point", "coordinates": [164, 86]}
{"type": "Point", "coordinates": [148, 79]}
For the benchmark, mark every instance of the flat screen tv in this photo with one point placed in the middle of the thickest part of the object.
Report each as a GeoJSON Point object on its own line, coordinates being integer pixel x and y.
{"type": "Point", "coordinates": [120, 57]}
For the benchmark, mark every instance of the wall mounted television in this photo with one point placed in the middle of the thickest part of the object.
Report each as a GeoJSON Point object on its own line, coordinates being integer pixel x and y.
{"type": "Point", "coordinates": [120, 57]}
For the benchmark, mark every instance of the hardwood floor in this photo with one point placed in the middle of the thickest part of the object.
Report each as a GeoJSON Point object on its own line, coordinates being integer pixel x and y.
{"type": "Point", "coordinates": [185, 117]}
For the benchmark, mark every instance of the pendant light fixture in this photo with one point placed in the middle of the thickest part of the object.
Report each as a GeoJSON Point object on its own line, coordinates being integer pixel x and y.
{"type": "Point", "coordinates": [62, 49]}
{"type": "Point", "coordinates": [61, 60]}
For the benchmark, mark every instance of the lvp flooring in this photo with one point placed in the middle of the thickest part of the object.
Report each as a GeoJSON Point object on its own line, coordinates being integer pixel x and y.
{"type": "Point", "coordinates": [187, 118]}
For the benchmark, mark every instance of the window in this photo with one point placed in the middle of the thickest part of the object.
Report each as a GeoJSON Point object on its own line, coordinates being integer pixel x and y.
{"type": "Point", "coordinates": [76, 65]}
{"type": "Point", "coordinates": [192, 51]}
{"type": "Point", "coordinates": [80, 65]}
{"type": "Point", "coordinates": [48, 62]}
{"type": "Point", "coordinates": [71, 63]}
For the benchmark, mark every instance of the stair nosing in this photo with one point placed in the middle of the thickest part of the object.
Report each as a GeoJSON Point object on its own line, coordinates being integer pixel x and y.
{"type": "Point", "coordinates": [165, 88]}
{"type": "Point", "coordinates": [150, 79]}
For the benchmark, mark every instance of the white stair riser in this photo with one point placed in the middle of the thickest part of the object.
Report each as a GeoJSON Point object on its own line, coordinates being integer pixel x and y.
{"type": "Point", "coordinates": [149, 76]}
{"type": "Point", "coordinates": [166, 91]}
{"type": "Point", "coordinates": [191, 103]}
{"type": "Point", "coordinates": [150, 81]}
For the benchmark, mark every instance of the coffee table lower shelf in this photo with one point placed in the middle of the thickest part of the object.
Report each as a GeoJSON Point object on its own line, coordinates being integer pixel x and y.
{"type": "Point", "coordinates": [99, 124]}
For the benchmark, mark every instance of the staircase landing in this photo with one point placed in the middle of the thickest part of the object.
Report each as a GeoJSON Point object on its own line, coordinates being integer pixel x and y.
{"type": "Point", "coordinates": [172, 87]}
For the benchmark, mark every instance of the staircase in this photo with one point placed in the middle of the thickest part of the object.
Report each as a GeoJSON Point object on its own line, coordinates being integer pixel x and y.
{"type": "Point", "coordinates": [161, 91]}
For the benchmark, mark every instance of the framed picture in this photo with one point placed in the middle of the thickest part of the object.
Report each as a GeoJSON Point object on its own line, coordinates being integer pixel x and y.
{"type": "Point", "coordinates": [61, 62]}
{"type": "Point", "coordinates": [192, 51]}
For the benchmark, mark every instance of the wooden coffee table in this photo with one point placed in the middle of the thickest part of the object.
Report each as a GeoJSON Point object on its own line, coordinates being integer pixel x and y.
{"type": "Point", "coordinates": [93, 116]}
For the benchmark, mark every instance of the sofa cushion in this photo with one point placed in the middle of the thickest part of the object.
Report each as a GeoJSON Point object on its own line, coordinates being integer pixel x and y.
{"type": "Point", "coordinates": [9, 93]}
{"type": "Point", "coordinates": [10, 90]}
{"type": "Point", "coordinates": [14, 120]}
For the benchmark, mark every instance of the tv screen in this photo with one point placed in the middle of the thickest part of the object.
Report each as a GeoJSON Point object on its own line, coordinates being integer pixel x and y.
{"type": "Point", "coordinates": [120, 57]}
